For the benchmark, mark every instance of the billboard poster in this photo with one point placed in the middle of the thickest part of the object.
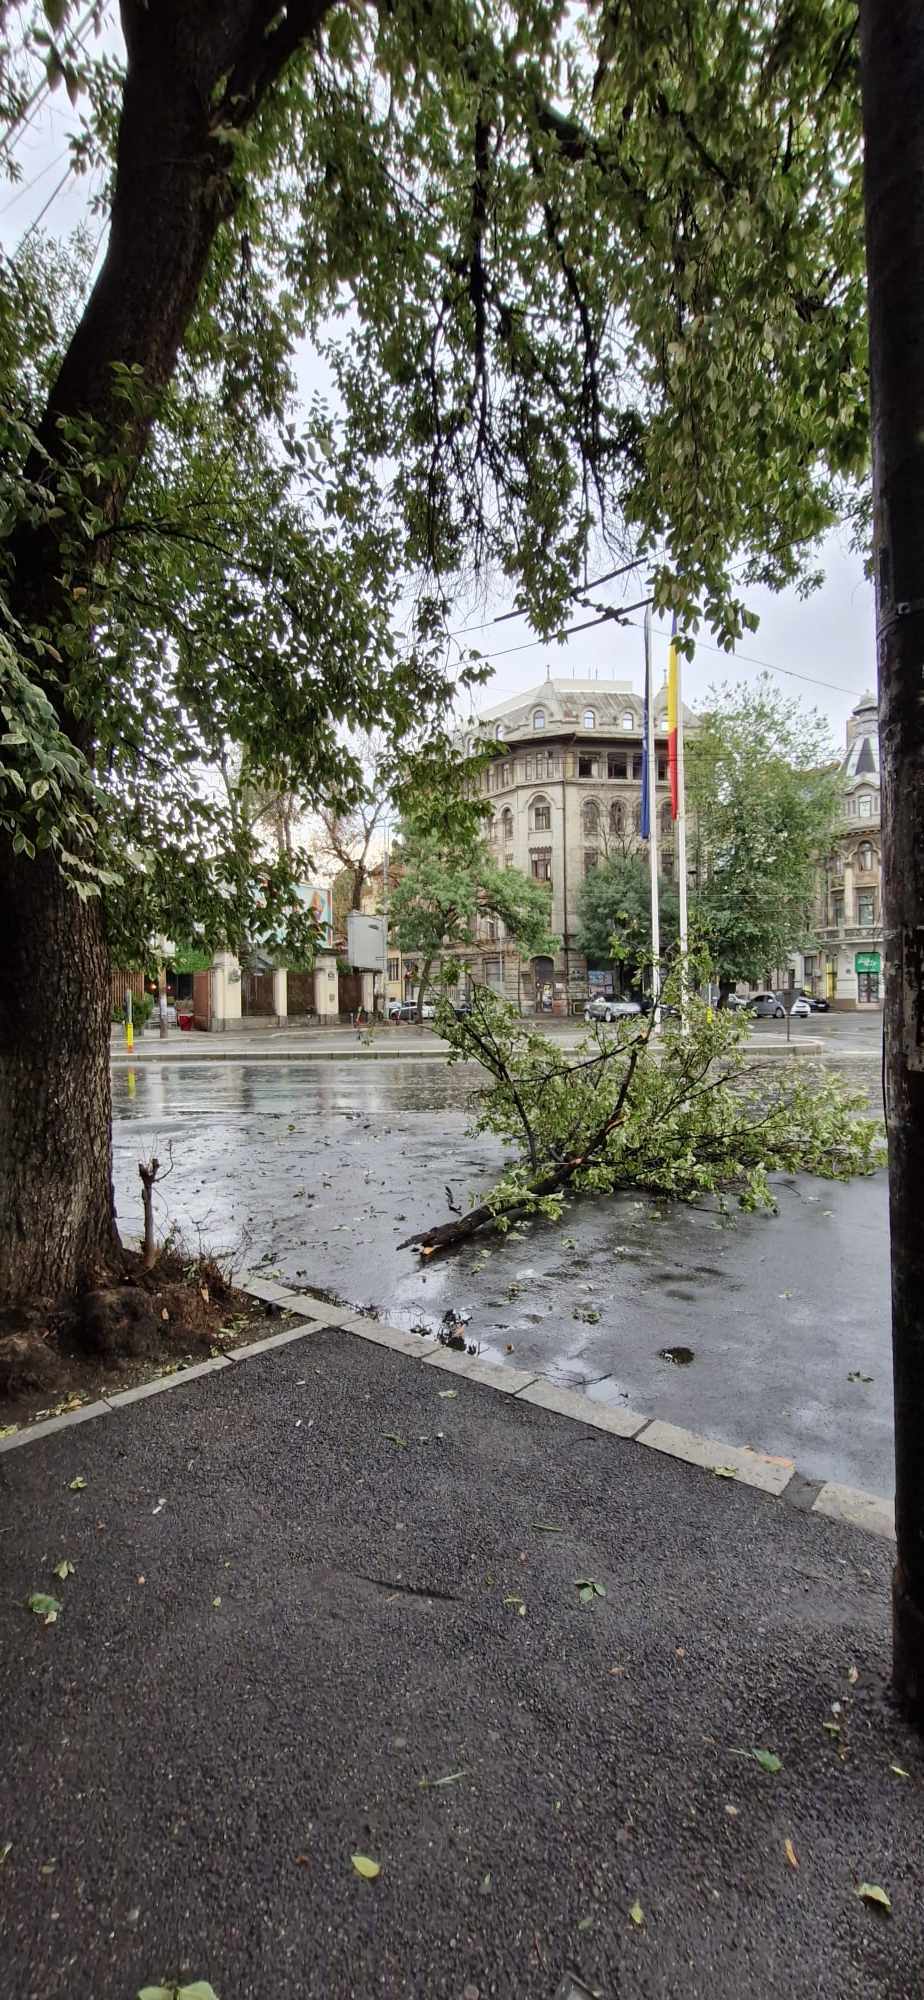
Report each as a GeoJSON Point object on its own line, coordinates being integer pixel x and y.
{"type": "Point", "coordinates": [318, 899]}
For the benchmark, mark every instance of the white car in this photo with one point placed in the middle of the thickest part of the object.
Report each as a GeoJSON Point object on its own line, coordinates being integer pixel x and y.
{"type": "Point", "coordinates": [605, 1009]}
{"type": "Point", "coordinates": [800, 1010]}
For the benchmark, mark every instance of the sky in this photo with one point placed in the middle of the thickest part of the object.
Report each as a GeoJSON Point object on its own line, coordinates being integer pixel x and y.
{"type": "Point", "coordinates": [820, 649]}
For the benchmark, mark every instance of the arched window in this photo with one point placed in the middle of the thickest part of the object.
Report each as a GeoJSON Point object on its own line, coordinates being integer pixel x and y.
{"type": "Point", "coordinates": [540, 817]}
{"type": "Point", "coordinates": [627, 721]}
{"type": "Point", "coordinates": [667, 825]}
{"type": "Point", "coordinates": [865, 857]}
{"type": "Point", "coordinates": [507, 824]}
{"type": "Point", "coordinates": [590, 815]}
{"type": "Point", "coordinates": [637, 817]}
{"type": "Point", "coordinates": [617, 817]}
{"type": "Point", "coordinates": [538, 718]}
{"type": "Point", "coordinates": [588, 719]}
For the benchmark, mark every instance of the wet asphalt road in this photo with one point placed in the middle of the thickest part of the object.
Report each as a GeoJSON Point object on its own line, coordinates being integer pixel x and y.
{"type": "Point", "coordinates": [317, 1172]}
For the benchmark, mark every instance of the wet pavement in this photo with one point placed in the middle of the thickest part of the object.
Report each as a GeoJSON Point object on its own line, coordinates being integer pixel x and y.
{"type": "Point", "coordinates": [318, 1171]}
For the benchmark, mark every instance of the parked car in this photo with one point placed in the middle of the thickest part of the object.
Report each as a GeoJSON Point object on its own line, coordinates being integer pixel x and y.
{"type": "Point", "coordinates": [461, 1009]}
{"type": "Point", "coordinates": [406, 1010]}
{"type": "Point", "coordinates": [801, 1009]}
{"type": "Point", "coordinates": [736, 1004]}
{"type": "Point", "coordinates": [818, 1004]}
{"type": "Point", "coordinates": [605, 1008]}
{"type": "Point", "coordinates": [767, 1006]}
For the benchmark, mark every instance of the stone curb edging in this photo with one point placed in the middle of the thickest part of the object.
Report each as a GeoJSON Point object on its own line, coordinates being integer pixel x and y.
{"type": "Point", "coordinates": [739, 1464]}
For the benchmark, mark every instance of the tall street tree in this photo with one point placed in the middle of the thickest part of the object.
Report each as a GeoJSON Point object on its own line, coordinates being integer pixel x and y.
{"type": "Point", "coordinates": [614, 915]}
{"type": "Point", "coordinates": [443, 891]}
{"type": "Point", "coordinates": [763, 797]}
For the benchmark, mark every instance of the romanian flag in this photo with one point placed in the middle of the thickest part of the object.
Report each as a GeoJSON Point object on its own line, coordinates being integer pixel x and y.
{"type": "Point", "coordinates": [673, 678]}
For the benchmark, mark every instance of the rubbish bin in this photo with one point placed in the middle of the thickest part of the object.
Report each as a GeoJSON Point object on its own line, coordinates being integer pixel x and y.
{"type": "Point", "coordinates": [185, 1021]}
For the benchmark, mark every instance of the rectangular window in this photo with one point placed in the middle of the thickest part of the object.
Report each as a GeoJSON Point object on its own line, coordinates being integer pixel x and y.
{"type": "Point", "coordinates": [393, 968]}
{"type": "Point", "coordinates": [662, 770]}
{"type": "Point", "coordinates": [591, 857]}
{"type": "Point", "coordinates": [837, 906]}
{"type": "Point", "coordinates": [587, 766]}
{"type": "Point", "coordinates": [866, 907]}
{"type": "Point", "coordinates": [540, 864]}
{"type": "Point", "coordinates": [552, 766]}
{"type": "Point", "coordinates": [542, 818]}
{"type": "Point", "coordinates": [492, 971]}
{"type": "Point", "coordinates": [616, 766]}
{"type": "Point", "coordinates": [636, 767]}
{"type": "Point", "coordinates": [866, 806]}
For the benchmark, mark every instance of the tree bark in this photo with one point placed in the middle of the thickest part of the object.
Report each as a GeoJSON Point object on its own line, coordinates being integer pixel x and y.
{"type": "Point", "coordinates": [892, 74]}
{"type": "Point", "coordinates": [57, 1223]}
{"type": "Point", "coordinates": [172, 191]}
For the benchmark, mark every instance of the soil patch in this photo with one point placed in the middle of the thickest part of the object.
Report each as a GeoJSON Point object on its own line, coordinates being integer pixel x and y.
{"type": "Point", "coordinates": [145, 1324]}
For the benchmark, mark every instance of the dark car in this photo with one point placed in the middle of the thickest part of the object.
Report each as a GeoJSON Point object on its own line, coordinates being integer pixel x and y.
{"type": "Point", "coordinates": [818, 1004]}
{"type": "Point", "coordinates": [461, 1009]}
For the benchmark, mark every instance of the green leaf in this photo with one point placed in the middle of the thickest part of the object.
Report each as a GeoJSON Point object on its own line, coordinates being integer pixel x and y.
{"type": "Point", "coordinates": [77, 1485]}
{"type": "Point", "coordinates": [768, 1761]}
{"type": "Point", "coordinates": [870, 1892]}
{"type": "Point", "coordinates": [518, 1604]}
{"type": "Point", "coordinates": [365, 1867]}
{"type": "Point", "coordinates": [5, 1850]}
{"type": "Point", "coordinates": [451, 1778]}
{"type": "Point", "coordinates": [547, 1528]}
{"type": "Point", "coordinates": [45, 1607]}
{"type": "Point", "coordinates": [637, 1914]}
{"type": "Point", "coordinates": [899, 1770]}
{"type": "Point", "coordinates": [391, 1437]}
{"type": "Point", "coordinates": [64, 1569]}
{"type": "Point", "coordinates": [725, 1471]}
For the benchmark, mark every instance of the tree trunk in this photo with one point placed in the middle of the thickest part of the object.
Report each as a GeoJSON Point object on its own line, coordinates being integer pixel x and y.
{"type": "Point", "coordinates": [892, 72]}
{"type": "Point", "coordinates": [56, 1210]}
{"type": "Point", "coordinates": [422, 983]}
{"type": "Point", "coordinates": [725, 987]}
{"type": "Point", "coordinates": [190, 69]}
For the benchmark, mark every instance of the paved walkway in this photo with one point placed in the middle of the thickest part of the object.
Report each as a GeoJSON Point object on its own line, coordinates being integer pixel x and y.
{"type": "Point", "coordinates": [325, 1603]}
{"type": "Point", "coordinates": [333, 1044]}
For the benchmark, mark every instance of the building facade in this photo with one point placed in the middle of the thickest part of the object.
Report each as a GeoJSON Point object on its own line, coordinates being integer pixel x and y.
{"type": "Point", "coordinates": [565, 795]}
{"type": "Point", "coordinates": [844, 960]}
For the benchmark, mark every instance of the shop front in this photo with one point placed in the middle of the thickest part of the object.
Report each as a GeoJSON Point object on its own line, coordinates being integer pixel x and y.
{"type": "Point", "coordinates": [868, 965]}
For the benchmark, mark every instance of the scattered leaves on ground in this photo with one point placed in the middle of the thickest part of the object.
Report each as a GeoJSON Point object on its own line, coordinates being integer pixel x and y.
{"type": "Point", "coordinates": [899, 1770]}
{"type": "Point", "coordinates": [451, 1778]}
{"type": "Point", "coordinates": [725, 1471]}
{"type": "Point", "coordinates": [791, 1855]}
{"type": "Point", "coordinates": [637, 1914]}
{"type": "Point", "coordinates": [856, 1376]}
{"type": "Point", "coordinates": [832, 1728]}
{"type": "Point", "coordinates": [547, 1528]}
{"type": "Point", "coordinates": [391, 1437]}
{"type": "Point", "coordinates": [45, 1607]}
{"type": "Point", "coordinates": [365, 1867]}
{"type": "Point", "coordinates": [518, 1604]}
{"type": "Point", "coordinates": [199, 1990]}
{"type": "Point", "coordinates": [588, 1588]}
{"type": "Point", "coordinates": [445, 1395]}
{"type": "Point", "coordinates": [77, 1485]}
{"type": "Point", "coordinates": [870, 1892]}
{"type": "Point", "coordinates": [8, 1430]}
{"type": "Point", "coordinates": [64, 1569]}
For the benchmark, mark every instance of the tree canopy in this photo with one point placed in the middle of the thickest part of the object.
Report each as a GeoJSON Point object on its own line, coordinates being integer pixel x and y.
{"type": "Point", "coordinates": [763, 794]}
{"type": "Point", "coordinates": [441, 893]}
{"type": "Point", "coordinates": [614, 913]}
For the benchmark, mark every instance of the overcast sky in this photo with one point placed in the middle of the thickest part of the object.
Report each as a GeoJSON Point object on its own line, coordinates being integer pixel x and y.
{"type": "Point", "coordinates": [821, 649]}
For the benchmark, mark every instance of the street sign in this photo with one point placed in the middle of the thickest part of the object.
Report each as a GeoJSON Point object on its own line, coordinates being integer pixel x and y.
{"type": "Point", "coordinates": [868, 961]}
{"type": "Point", "coordinates": [366, 942]}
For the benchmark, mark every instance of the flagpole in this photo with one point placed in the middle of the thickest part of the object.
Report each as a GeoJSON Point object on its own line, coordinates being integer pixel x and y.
{"type": "Point", "coordinates": [652, 826]}
{"type": "Point", "coordinates": [681, 846]}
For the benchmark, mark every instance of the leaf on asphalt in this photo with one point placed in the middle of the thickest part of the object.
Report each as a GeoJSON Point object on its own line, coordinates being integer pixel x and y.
{"type": "Point", "coordinates": [768, 1761]}
{"type": "Point", "coordinates": [445, 1395]}
{"type": "Point", "coordinates": [451, 1778]}
{"type": "Point", "coordinates": [365, 1867]}
{"type": "Point", "coordinates": [64, 1569]}
{"type": "Point", "coordinates": [588, 1588]}
{"type": "Point", "coordinates": [200, 1990]}
{"type": "Point", "coordinates": [585, 1923]}
{"type": "Point", "coordinates": [77, 1485]}
{"type": "Point", "coordinates": [7, 1430]}
{"type": "Point", "coordinates": [215, 1603]}
{"type": "Point", "coordinates": [637, 1914]}
{"type": "Point", "coordinates": [518, 1604]}
{"type": "Point", "coordinates": [45, 1607]}
{"type": "Point", "coordinates": [547, 1528]}
{"type": "Point", "coordinates": [391, 1437]}
{"type": "Point", "coordinates": [725, 1471]}
{"type": "Point", "coordinates": [852, 1676]}
{"type": "Point", "coordinates": [899, 1770]}
{"type": "Point", "coordinates": [833, 1728]}
{"type": "Point", "coordinates": [484, 1887]}
{"type": "Point", "coordinates": [791, 1855]}
{"type": "Point", "coordinates": [856, 1376]}
{"type": "Point", "coordinates": [160, 1504]}
{"type": "Point", "coordinates": [6, 1849]}
{"type": "Point", "coordinates": [870, 1892]}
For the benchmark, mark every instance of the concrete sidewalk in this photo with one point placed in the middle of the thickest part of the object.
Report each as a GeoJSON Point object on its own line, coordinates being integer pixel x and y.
{"type": "Point", "coordinates": [383, 1044]}
{"type": "Point", "coordinates": [326, 1602]}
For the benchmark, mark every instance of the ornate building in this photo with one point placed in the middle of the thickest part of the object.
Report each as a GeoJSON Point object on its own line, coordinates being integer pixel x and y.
{"type": "Point", "coordinates": [565, 795]}
{"type": "Point", "coordinates": [844, 960]}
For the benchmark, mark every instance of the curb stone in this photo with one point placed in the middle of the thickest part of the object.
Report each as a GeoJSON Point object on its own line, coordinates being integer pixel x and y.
{"type": "Point", "coordinates": [739, 1464]}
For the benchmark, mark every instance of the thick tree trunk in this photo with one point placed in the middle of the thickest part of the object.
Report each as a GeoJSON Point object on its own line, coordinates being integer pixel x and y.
{"type": "Point", "coordinates": [422, 984]}
{"type": "Point", "coordinates": [56, 1212]}
{"type": "Point", "coordinates": [892, 69]}
{"type": "Point", "coordinates": [172, 191]}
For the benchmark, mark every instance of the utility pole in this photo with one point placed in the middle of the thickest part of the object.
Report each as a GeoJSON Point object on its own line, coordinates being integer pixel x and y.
{"type": "Point", "coordinates": [892, 79]}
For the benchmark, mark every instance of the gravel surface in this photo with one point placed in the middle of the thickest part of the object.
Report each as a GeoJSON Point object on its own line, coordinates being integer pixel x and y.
{"type": "Point", "coordinates": [285, 1626]}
